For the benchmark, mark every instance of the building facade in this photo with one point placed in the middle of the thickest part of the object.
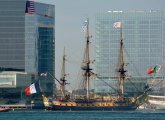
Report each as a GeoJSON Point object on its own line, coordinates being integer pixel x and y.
{"type": "Point", "coordinates": [143, 33]}
{"type": "Point", "coordinates": [27, 38]}
{"type": "Point", "coordinates": [12, 84]}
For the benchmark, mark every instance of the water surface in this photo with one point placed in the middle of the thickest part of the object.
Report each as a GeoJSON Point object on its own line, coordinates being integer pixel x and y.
{"type": "Point", "coordinates": [101, 115]}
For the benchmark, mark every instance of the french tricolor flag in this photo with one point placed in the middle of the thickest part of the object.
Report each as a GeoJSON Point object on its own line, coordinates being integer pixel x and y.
{"type": "Point", "coordinates": [33, 88]}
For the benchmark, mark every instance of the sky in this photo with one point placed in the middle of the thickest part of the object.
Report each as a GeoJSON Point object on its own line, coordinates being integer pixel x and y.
{"type": "Point", "coordinates": [69, 18]}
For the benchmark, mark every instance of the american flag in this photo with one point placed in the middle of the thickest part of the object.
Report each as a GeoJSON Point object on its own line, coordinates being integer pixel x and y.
{"type": "Point", "coordinates": [30, 7]}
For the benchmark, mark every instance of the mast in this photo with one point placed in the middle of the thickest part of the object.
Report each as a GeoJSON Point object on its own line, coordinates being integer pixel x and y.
{"type": "Point", "coordinates": [63, 75]}
{"type": "Point", "coordinates": [121, 65]}
{"type": "Point", "coordinates": [86, 61]}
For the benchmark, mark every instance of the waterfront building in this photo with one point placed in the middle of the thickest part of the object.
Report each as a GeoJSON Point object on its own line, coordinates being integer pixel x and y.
{"type": "Point", "coordinates": [12, 86]}
{"type": "Point", "coordinates": [27, 39]}
{"type": "Point", "coordinates": [144, 39]}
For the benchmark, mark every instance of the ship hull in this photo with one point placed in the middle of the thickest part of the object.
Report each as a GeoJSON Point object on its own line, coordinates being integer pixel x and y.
{"type": "Point", "coordinates": [94, 108]}
{"type": "Point", "coordinates": [90, 106]}
{"type": "Point", "coordinates": [4, 109]}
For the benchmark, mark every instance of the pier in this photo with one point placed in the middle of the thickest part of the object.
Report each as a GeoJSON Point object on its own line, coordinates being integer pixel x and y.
{"type": "Point", "coordinates": [17, 106]}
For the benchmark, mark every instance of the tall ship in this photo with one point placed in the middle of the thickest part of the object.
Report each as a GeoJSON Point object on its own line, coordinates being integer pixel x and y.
{"type": "Point", "coordinates": [118, 102]}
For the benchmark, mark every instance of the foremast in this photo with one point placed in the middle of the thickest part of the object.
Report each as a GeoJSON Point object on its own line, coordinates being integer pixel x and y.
{"type": "Point", "coordinates": [122, 74]}
{"type": "Point", "coordinates": [87, 71]}
{"type": "Point", "coordinates": [121, 65]}
{"type": "Point", "coordinates": [63, 75]}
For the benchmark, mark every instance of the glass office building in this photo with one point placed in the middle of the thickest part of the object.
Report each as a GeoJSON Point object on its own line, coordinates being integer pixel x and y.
{"type": "Point", "coordinates": [27, 38]}
{"type": "Point", "coordinates": [143, 33]}
{"type": "Point", "coordinates": [40, 42]}
{"type": "Point", "coordinates": [12, 34]}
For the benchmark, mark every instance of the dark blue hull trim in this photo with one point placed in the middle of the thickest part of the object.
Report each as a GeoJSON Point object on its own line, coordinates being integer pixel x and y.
{"type": "Point", "coordinates": [78, 108]}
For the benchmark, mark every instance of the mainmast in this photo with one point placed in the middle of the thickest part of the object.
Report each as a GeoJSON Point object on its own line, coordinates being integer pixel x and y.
{"type": "Point", "coordinates": [63, 75]}
{"type": "Point", "coordinates": [86, 61]}
{"type": "Point", "coordinates": [121, 65]}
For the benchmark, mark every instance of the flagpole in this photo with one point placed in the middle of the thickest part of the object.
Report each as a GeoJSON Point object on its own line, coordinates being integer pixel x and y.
{"type": "Point", "coordinates": [54, 78]}
{"type": "Point", "coordinates": [41, 88]}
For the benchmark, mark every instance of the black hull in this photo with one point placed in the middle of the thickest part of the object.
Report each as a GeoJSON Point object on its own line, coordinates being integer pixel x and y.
{"type": "Point", "coordinates": [78, 108]}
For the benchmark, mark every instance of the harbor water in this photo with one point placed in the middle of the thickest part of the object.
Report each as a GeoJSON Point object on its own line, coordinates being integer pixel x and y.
{"type": "Point", "coordinates": [52, 115]}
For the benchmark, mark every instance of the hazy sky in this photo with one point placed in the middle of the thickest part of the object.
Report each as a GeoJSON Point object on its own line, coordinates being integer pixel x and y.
{"type": "Point", "coordinates": [69, 18]}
